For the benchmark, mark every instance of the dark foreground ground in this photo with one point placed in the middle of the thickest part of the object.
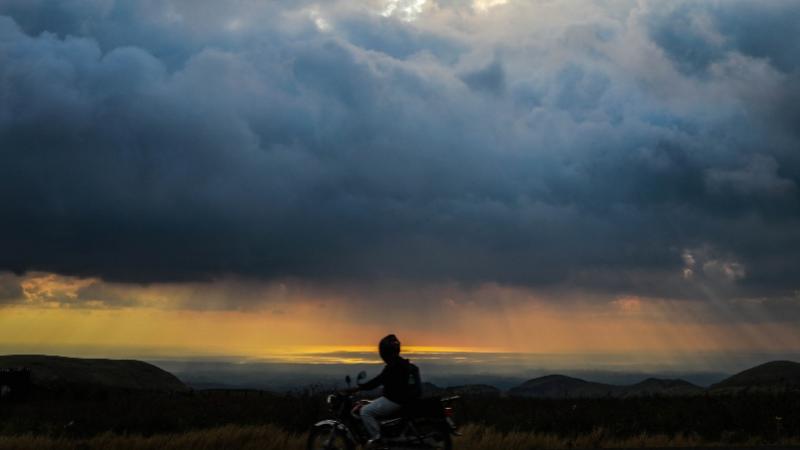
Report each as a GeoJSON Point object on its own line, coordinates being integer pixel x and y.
{"type": "Point", "coordinates": [268, 437]}
{"type": "Point", "coordinates": [94, 419]}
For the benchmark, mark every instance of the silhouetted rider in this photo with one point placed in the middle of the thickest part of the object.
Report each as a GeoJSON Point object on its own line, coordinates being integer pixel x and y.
{"type": "Point", "coordinates": [401, 385]}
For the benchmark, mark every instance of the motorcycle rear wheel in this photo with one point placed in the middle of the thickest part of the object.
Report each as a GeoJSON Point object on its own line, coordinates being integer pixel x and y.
{"type": "Point", "coordinates": [440, 440]}
{"type": "Point", "coordinates": [319, 436]}
{"type": "Point", "coordinates": [446, 442]}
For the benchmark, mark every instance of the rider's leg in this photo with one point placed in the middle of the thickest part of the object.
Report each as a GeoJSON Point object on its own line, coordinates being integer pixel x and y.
{"type": "Point", "coordinates": [380, 407]}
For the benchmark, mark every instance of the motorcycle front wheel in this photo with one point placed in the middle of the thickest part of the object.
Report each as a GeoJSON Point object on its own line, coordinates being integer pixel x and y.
{"type": "Point", "coordinates": [327, 437]}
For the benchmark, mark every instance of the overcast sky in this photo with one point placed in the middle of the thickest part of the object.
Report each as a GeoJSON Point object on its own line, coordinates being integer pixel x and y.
{"type": "Point", "coordinates": [404, 154]}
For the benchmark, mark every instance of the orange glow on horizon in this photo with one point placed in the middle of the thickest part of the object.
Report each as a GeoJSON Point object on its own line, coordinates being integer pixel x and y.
{"type": "Point", "coordinates": [305, 336]}
{"type": "Point", "coordinates": [56, 315]}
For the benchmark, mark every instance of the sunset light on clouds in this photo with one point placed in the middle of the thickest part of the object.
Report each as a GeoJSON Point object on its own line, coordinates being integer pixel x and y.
{"type": "Point", "coordinates": [292, 180]}
{"type": "Point", "coordinates": [89, 317]}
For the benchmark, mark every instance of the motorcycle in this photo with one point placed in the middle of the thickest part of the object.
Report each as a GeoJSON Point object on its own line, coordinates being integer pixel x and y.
{"type": "Point", "coordinates": [426, 424]}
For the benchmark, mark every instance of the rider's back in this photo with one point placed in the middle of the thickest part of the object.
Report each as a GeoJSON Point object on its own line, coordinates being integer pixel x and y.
{"type": "Point", "coordinates": [400, 380]}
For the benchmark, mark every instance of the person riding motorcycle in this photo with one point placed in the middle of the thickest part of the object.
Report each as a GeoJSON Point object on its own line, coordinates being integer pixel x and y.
{"type": "Point", "coordinates": [401, 385]}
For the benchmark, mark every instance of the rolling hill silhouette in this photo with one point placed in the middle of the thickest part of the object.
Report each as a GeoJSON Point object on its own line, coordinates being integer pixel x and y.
{"type": "Point", "coordinates": [661, 387]}
{"type": "Point", "coordinates": [474, 390]}
{"type": "Point", "coordinates": [56, 372]}
{"type": "Point", "coordinates": [562, 386]}
{"type": "Point", "coordinates": [772, 377]}
{"type": "Point", "coordinates": [775, 376]}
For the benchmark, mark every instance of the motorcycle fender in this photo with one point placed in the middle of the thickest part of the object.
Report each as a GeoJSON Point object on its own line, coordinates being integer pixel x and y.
{"type": "Point", "coordinates": [338, 425]}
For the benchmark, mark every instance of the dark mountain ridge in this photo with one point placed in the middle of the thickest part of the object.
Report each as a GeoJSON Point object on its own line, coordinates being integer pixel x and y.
{"type": "Point", "coordinates": [562, 386]}
{"type": "Point", "coordinates": [772, 377]}
{"type": "Point", "coordinates": [57, 372]}
{"type": "Point", "coordinates": [662, 387]}
{"type": "Point", "coordinates": [775, 376]}
{"type": "Point", "coordinates": [54, 372]}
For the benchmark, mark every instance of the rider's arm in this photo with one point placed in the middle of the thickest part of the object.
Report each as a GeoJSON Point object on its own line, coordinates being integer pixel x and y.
{"type": "Point", "coordinates": [373, 383]}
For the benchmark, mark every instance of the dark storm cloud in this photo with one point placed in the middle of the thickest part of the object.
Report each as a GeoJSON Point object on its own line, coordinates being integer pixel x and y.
{"type": "Point", "coordinates": [10, 289]}
{"type": "Point", "coordinates": [491, 78]}
{"type": "Point", "coordinates": [698, 34]}
{"type": "Point", "coordinates": [177, 141]}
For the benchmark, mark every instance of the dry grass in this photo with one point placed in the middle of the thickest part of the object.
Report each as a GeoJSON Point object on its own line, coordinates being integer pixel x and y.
{"type": "Point", "coordinates": [268, 437]}
{"type": "Point", "coordinates": [482, 438]}
{"type": "Point", "coordinates": [231, 437]}
{"type": "Point", "coordinates": [479, 438]}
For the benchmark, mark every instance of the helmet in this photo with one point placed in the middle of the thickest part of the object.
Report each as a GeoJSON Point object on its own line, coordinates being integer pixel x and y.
{"type": "Point", "coordinates": [389, 348]}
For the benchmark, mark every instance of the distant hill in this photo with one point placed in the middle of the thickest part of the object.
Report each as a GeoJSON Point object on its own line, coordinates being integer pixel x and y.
{"type": "Point", "coordinates": [56, 372]}
{"type": "Point", "coordinates": [561, 386]}
{"type": "Point", "coordinates": [776, 376]}
{"type": "Point", "coordinates": [474, 390]}
{"type": "Point", "coordinates": [660, 387]}
{"type": "Point", "coordinates": [466, 390]}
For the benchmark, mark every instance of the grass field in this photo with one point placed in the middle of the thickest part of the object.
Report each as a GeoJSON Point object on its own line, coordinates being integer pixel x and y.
{"type": "Point", "coordinates": [221, 420]}
{"type": "Point", "coordinates": [269, 437]}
